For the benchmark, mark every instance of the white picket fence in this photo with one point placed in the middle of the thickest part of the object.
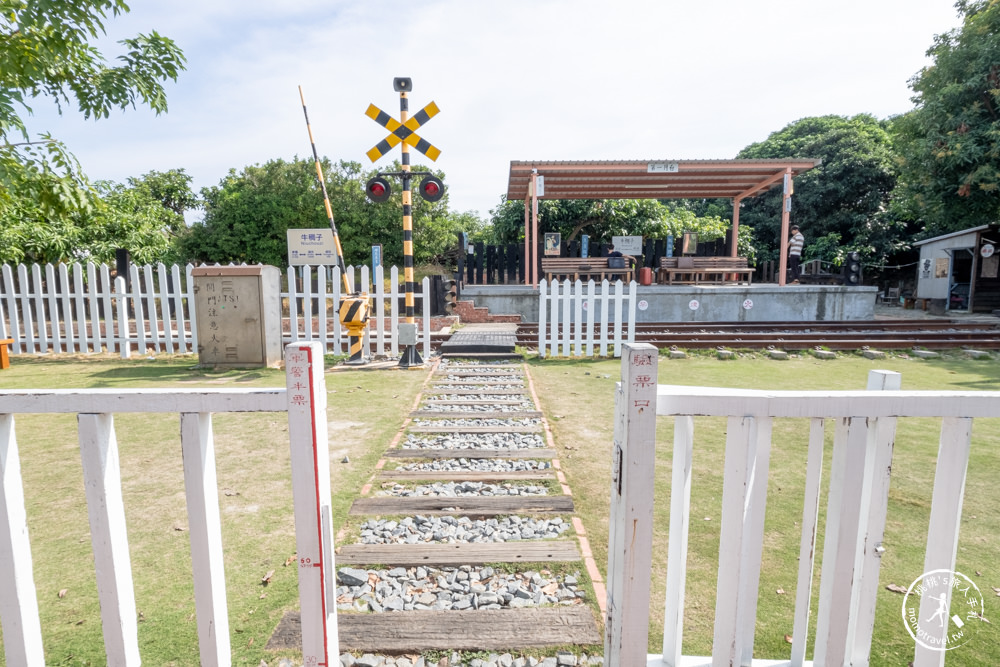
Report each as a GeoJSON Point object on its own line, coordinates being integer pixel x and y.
{"type": "Point", "coordinates": [576, 318]}
{"type": "Point", "coordinates": [77, 308]}
{"type": "Point", "coordinates": [304, 399]}
{"type": "Point", "coordinates": [855, 518]}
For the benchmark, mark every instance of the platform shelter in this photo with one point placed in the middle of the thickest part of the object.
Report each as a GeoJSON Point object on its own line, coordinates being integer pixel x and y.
{"type": "Point", "coordinates": [531, 180]}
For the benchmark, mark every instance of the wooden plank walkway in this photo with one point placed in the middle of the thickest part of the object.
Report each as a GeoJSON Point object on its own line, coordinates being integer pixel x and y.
{"type": "Point", "coordinates": [413, 555]}
{"type": "Point", "coordinates": [472, 380]}
{"type": "Point", "coordinates": [486, 629]}
{"type": "Point", "coordinates": [483, 414]}
{"type": "Point", "coordinates": [490, 630]}
{"type": "Point", "coordinates": [525, 453]}
{"type": "Point", "coordinates": [437, 390]}
{"type": "Point", "coordinates": [491, 373]}
{"type": "Point", "coordinates": [466, 476]}
{"type": "Point", "coordinates": [466, 505]}
{"type": "Point", "coordinates": [533, 428]}
{"type": "Point", "coordinates": [430, 403]}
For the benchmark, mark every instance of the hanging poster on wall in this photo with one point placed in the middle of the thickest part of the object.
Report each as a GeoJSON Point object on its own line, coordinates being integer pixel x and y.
{"type": "Point", "coordinates": [552, 242]}
{"type": "Point", "coordinates": [941, 267]}
{"type": "Point", "coordinates": [990, 265]}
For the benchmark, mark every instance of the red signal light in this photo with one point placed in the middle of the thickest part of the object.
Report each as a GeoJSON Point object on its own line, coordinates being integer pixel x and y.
{"type": "Point", "coordinates": [431, 188]}
{"type": "Point", "coordinates": [378, 189]}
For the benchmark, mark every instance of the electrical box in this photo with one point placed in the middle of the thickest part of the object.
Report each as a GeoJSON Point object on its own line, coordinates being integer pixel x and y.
{"type": "Point", "coordinates": [238, 315]}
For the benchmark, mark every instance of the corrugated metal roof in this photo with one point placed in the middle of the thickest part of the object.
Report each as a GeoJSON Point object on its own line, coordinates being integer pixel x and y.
{"type": "Point", "coordinates": [652, 179]}
{"type": "Point", "coordinates": [971, 230]}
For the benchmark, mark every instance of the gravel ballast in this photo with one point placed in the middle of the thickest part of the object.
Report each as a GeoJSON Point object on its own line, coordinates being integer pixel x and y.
{"type": "Point", "coordinates": [451, 530]}
{"type": "Point", "coordinates": [456, 489]}
{"type": "Point", "coordinates": [442, 589]}
{"type": "Point", "coordinates": [474, 441]}
{"type": "Point", "coordinates": [476, 465]}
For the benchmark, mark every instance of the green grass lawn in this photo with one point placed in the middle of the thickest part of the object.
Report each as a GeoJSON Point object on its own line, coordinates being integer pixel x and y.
{"type": "Point", "coordinates": [367, 408]}
{"type": "Point", "coordinates": [577, 396]}
{"type": "Point", "coordinates": [365, 411]}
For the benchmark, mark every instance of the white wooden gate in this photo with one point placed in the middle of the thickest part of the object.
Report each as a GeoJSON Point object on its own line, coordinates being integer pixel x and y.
{"type": "Point", "coordinates": [576, 317]}
{"type": "Point", "coordinates": [855, 518]}
{"type": "Point", "coordinates": [304, 399]}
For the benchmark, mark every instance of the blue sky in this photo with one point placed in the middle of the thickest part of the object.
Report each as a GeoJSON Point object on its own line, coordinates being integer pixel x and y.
{"type": "Point", "coordinates": [515, 80]}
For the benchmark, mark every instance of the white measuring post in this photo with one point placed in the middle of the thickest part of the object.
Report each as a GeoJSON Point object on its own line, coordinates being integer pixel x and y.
{"type": "Point", "coordinates": [630, 542]}
{"type": "Point", "coordinates": [310, 451]}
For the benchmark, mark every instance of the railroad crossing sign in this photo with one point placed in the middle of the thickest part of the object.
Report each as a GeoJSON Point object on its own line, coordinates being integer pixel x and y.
{"type": "Point", "coordinates": [405, 132]}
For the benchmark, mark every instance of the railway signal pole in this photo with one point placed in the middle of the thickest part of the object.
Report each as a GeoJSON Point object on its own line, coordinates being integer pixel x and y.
{"type": "Point", "coordinates": [404, 132]}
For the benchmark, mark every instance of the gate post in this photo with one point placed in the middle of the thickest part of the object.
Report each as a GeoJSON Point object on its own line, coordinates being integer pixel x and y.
{"type": "Point", "coordinates": [630, 539]}
{"type": "Point", "coordinates": [310, 452]}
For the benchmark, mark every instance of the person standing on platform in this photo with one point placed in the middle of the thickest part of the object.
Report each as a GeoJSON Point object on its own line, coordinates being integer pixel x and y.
{"type": "Point", "coordinates": [614, 253]}
{"type": "Point", "coordinates": [795, 244]}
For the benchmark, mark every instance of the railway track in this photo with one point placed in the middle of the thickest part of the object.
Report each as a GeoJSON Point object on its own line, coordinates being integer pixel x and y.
{"type": "Point", "coordinates": [844, 335]}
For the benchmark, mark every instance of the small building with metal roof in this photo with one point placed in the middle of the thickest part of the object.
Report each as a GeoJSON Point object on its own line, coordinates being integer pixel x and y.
{"type": "Point", "coordinates": [959, 271]}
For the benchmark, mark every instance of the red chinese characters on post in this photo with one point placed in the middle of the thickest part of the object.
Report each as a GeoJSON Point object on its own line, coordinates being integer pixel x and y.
{"type": "Point", "coordinates": [643, 381]}
{"type": "Point", "coordinates": [299, 399]}
{"type": "Point", "coordinates": [640, 403]}
{"type": "Point", "coordinates": [297, 371]}
{"type": "Point", "coordinates": [642, 360]}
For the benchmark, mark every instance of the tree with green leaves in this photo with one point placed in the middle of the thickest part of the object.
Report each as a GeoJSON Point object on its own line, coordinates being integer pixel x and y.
{"type": "Point", "coordinates": [48, 52]}
{"type": "Point", "coordinates": [139, 216]}
{"type": "Point", "coordinates": [604, 218]}
{"type": "Point", "coordinates": [248, 214]}
{"type": "Point", "coordinates": [949, 142]}
{"type": "Point", "coordinates": [599, 218]}
{"type": "Point", "coordinates": [844, 203]}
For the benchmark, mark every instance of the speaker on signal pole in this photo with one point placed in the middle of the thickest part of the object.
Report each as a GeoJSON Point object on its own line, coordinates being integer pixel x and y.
{"type": "Point", "coordinates": [852, 269]}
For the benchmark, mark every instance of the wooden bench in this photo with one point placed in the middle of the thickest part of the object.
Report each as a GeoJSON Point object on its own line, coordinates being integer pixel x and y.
{"type": "Point", "coordinates": [577, 268]}
{"type": "Point", "coordinates": [696, 270]}
{"type": "Point", "coordinates": [5, 344]}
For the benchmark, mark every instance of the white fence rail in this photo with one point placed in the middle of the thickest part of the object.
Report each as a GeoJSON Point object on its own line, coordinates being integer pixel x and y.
{"type": "Point", "coordinates": [575, 318]}
{"type": "Point", "coordinates": [81, 309]}
{"type": "Point", "coordinates": [855, 518]}
{"type": "Point", "coordinates": [304, 400]}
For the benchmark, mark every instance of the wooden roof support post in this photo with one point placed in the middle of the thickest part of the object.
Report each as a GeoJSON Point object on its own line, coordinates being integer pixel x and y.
{"type": "Point", "coordinates": [785, 210]}
{"type": "Point", "coordinates": [534, 227]}
{"type": "Point", "coordinates": [527, 245]}
{"type": "Point", "coordinates": [733, 249]}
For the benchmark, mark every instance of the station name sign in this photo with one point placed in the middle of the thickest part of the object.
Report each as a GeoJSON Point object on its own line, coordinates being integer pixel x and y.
{"type": "Point", "coordinates": [311, 246]}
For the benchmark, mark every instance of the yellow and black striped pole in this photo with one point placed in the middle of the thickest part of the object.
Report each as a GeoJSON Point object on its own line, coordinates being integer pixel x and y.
{"type": "Point", "coordinates": [326, 198]}
{"type": "Point", "coordinates": [354, 315]}
{"type": "Point", "coordinates": [410, 356]}
{"type": "Point", "coordinates": [354, 305]}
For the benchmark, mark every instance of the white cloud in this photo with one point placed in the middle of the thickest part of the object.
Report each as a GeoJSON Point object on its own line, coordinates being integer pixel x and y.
{"type": "Point", "coordinates": [522, 79]}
